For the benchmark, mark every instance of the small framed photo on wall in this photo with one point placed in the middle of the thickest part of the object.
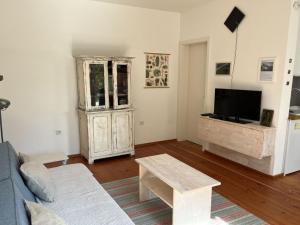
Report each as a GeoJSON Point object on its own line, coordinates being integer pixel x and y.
{"type": "Point", "coordinates": [267, 69]}
{"type": "Point", "coordinates": [223, 69]}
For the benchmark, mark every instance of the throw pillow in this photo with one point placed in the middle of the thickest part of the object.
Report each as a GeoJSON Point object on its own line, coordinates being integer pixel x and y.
{"type": "Point", "coordinates": [40, 215]}
{"type": "Point", "coordinates": [38, 180]}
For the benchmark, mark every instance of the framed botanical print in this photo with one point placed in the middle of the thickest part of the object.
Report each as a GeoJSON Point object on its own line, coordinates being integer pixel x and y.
{"type": "Point", "coordinates": [157, 70]}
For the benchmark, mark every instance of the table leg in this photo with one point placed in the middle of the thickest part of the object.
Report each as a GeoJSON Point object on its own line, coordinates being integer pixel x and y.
{"type": "Point", "coordinates": [192, 208]}
{"type": "Point", "coordinates": [144, 193]}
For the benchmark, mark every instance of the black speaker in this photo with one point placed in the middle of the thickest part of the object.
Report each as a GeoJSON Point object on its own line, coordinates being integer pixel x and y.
{"type": "Point", "coordinates": [234, 19]}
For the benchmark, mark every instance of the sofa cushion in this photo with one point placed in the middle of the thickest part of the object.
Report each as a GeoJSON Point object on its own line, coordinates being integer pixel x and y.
{"type": "Point", "coordinates": [38, 180]}
{"type": "Point", "coordinates": [13, 191]}
{"type": "Point", "coordinates": [81, 200]}
{"type": "Point", "coordinates": [15, 173]}
{"type": "Point", "coordinates": [39, 214]}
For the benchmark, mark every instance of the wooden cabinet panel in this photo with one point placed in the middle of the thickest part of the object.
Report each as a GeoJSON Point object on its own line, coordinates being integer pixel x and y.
{"type": "Point", "coordinates": [249, 139]}
{"type": "Point", "coordinates": [122, 131]}
{"type": "Point", "coordinates": [101, 134]}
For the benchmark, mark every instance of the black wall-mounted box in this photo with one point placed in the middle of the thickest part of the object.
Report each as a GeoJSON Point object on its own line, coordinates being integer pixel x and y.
{"type": "Point", "coordinates": [234, 19]}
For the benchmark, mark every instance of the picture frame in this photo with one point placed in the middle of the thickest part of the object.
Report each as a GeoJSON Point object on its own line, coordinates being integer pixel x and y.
{"type": "Point", "coordinates": [267, 69]}
{"type": "Point", "coordinates": [223, 68]}
{"type": "Point", "coordinates": [267, 117]}
{"type": "Point", "coordinates": [157, 70]}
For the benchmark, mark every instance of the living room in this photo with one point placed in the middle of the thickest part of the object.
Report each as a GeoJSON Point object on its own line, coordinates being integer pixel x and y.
{"type": "Point", "coordinates": [42, 43]}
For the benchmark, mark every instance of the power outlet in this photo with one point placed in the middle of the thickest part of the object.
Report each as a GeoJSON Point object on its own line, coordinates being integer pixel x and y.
{"type": "Point", "coordinates": [58, 132]}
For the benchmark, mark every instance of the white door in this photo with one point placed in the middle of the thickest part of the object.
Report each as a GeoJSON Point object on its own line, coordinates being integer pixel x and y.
{"type": "Point", "coordinates": [122, 131]}
{"type": "Point", "coordinates": [196, 89]}
{"type": "Point", "coordinates": [101, 134]}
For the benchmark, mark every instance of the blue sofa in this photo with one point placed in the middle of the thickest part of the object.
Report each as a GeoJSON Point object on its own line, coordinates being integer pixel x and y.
{"type": "Point", "coordinates": [13, 190]}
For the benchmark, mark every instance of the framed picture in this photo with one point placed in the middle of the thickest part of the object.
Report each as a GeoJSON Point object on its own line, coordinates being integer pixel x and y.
{"type": "Point", "coordinates": [267, 69]}
{"type": "Point", "coordinates": [267, 117]}
{"type": "Point", "coordinates": [157, 70]}
{"type": "Point", "coordinates": [223, 68]}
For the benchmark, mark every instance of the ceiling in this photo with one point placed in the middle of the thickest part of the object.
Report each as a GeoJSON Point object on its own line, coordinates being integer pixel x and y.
{"type": "Point", "coordinates": [168, 5]}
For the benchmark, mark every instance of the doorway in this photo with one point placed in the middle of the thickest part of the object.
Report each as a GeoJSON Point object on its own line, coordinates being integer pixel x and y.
{"type": "Point", "coordinates": [191, 89]}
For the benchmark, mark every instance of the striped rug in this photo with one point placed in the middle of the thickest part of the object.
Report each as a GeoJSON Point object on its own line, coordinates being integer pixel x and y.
{"type": "Point", "coordinates": [156, 212]}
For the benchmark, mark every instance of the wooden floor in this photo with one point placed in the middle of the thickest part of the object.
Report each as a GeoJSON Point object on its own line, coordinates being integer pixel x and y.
{"type": "Point", "coordinates": [275, 200]}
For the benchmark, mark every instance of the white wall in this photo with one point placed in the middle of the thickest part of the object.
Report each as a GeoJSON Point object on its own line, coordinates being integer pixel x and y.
{"type": "Point", "coordinates": [38, 41]}
{"type": "Point", "coordinates": [263, 33]}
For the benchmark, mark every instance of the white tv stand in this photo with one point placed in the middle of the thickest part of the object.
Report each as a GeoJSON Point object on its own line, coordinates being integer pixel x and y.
{"type": "Point", "coordinates": [249, 139]}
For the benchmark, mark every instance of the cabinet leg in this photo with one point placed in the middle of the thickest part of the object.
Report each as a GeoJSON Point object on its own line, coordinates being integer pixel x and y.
{"type": "Point", "coordinates": [91, 161]}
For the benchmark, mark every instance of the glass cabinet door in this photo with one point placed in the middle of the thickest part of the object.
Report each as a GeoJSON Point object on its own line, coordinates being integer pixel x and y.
{"type": "Point", "coordinates": [97, 94]}
{"type": "Point", "coordinates": [121, 85]}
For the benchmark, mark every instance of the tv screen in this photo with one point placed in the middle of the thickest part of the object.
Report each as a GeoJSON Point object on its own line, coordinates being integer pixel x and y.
{"type": "Point", "coordinates": [240, 104]}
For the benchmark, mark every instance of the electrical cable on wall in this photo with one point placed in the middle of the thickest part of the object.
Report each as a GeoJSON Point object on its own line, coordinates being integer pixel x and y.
{"type": "Point", "coordinates": [232, 23]}
{"type": "Point", "coordinates": [235, 56]}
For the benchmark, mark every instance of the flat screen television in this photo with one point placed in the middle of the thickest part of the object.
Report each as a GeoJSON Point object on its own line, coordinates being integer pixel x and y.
{"type": "Point", "coordinates": [237, 104]}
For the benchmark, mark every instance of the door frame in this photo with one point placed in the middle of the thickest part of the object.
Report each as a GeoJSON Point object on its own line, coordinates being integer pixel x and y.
{"type": "Point", "coordinates": [183, 83]}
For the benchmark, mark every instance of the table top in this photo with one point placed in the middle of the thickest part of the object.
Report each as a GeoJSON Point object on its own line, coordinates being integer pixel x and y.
{"type": "Point", "coordinates": [176, 174]}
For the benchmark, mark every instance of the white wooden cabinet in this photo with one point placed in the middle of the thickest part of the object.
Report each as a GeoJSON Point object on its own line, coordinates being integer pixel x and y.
{"type": "Point", "coordinates": [105, 110]}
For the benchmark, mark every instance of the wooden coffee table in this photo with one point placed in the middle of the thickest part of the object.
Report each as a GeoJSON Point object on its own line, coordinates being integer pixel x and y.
{"type": "Point", "coordinates": [183, 188]}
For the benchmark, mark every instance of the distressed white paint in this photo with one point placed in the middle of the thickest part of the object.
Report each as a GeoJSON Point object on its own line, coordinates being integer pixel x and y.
{"type": "Point", "coordinates": [83, 83]}
{"type": "Point", "coordinates": [122, 131]}
{"type": "Point", "coordinates": [106, 134]}
{"type": "Point", "coordinates": [108, 131]}
{"type": "Point", "coordinates": [115, 77]}
{"type": "Point", "coordinates": [87, 88]}
{"type": "Point", "coordinates": [100, 127]}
